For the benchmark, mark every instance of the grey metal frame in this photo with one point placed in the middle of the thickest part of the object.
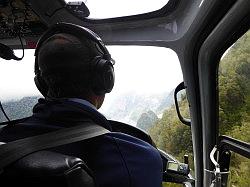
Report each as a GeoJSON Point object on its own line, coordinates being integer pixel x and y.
{"type": "Point", "coordinates": [230, 28]}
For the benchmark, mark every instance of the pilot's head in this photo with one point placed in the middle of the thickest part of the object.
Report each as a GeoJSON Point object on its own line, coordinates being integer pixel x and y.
{"type": "Point", "coordinates": [72, 62]}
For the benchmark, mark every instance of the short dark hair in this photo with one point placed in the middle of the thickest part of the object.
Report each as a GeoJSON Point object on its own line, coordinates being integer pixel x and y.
{"type": "Point", "coordinates": [65, 65]}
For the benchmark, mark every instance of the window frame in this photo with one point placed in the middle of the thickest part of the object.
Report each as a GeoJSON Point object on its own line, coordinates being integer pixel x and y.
{"type": "Point", "coordinates": [234, 24]}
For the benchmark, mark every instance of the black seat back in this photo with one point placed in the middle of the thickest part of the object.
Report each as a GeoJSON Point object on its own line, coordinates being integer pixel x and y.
{"type": "Point", "coordinates": [47, 169]}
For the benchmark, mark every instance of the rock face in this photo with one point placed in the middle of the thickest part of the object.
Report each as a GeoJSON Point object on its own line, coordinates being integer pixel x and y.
{"type": "Point", "coordinates": [147, 120]}
{"type": "Point", "coordinates": [129, 107]}
{"type": "Point", "coordinates": [166, 101]}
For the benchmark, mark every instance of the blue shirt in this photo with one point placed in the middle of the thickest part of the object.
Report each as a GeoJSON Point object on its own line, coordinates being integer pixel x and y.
{"type": "Point", "coordinates": [140, 161]}
{"type": "Point", "coordinates": [116, 159]}
{"type": "Point", "coordinates": [83, 102]}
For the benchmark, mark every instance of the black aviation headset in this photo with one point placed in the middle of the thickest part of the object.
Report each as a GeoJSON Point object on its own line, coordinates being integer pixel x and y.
{"type": "Point", "coordinates": [103, 71]}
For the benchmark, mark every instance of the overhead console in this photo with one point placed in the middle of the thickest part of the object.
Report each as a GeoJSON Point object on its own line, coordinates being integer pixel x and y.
{"type": "Point", "coordinates": [28, 19]}
{"type": "Point", "coordinates": [18, 18]}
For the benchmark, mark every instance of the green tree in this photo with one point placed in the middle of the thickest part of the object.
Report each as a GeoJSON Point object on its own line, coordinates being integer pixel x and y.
{"type": "Point", "coordinates": [171, 135]}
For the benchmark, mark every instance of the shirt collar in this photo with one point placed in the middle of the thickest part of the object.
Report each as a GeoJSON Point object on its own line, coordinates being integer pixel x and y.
{"type": "Point", "coordinates": [83, 101]}
{"type": "Point", "coordinates": [83, 104]}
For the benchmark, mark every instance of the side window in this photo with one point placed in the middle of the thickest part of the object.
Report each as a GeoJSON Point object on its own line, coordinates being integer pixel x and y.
{"type": "Point", "coordinates": [234, 104]}
{"type": "Point", "coordinates": [18, 93]}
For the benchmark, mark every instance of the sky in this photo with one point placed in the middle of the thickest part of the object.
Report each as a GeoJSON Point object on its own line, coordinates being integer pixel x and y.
{"type": "Point", "coordinates": [139, 69]}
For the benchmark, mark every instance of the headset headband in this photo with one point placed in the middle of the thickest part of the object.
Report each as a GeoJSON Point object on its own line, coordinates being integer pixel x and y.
{"type": "Point", "coordinates": [74, 30]}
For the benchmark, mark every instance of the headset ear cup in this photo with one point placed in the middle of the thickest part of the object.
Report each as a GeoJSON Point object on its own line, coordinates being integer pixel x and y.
{"type": "Point", "coordinates": [109, 77]}
{"type": "Point", "coordinates": [41, 85]}
{"type": "Point", "coordinates": [103, 78]}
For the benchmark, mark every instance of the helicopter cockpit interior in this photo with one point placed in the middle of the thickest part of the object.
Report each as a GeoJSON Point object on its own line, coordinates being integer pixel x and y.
{"type": "Point", "coordinates": [201, 125]}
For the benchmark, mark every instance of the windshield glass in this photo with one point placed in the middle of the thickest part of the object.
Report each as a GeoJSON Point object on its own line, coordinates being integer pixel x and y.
{"type": "Point", "coordinates": [102, 9]}
{"type": "Point", "coordinates": [17, 77]}
{"type": "Point", "coordinates": [145, 79]}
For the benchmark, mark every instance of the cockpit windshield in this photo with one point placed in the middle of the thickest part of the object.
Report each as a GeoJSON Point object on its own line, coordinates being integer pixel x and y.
{"type": "Point", "coordinates": [144, 79]}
